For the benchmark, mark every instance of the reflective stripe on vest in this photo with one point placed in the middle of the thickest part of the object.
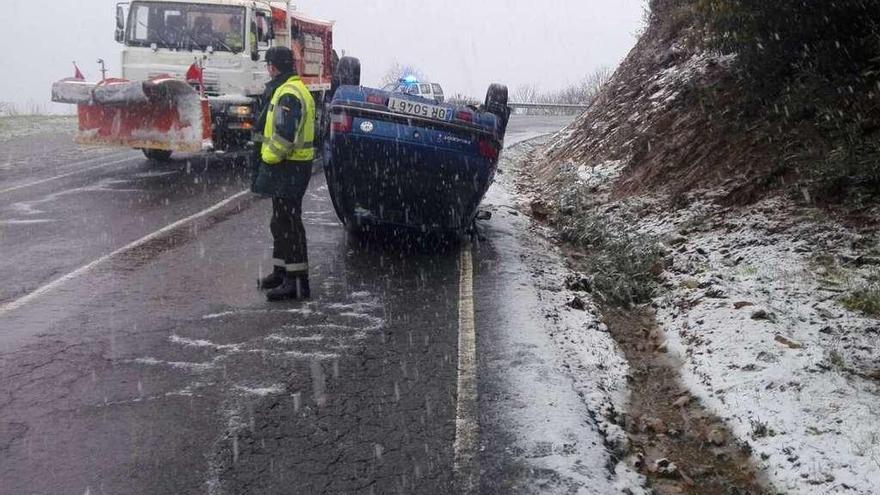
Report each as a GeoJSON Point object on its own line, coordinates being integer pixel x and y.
{"type": "Point", "coordinates": [277, 149]}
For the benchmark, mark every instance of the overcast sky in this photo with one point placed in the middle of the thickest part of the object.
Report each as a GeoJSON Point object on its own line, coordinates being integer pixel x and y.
{"type": "Point", "coordinates": [463, 44]}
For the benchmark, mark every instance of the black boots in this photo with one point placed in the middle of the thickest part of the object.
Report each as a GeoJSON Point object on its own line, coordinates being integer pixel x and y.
{"type": "Point", "coordinates": [275, 279]}
{"type": "Point", "coordinates": [294, 286]}
{"type": "Point", "coordinates": [286, 285]}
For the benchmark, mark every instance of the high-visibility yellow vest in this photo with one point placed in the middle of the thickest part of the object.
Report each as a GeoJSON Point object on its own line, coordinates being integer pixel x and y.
{"type": "Point", "coordinates": [277, 149]}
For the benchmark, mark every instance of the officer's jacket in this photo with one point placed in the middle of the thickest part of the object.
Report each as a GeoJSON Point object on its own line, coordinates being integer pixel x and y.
{"type": "Point", "coordinates": [289, 129]}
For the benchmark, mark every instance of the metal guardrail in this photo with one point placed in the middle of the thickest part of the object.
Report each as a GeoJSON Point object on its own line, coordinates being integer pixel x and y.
{"type": "Point", "coordinates": [547, 105]}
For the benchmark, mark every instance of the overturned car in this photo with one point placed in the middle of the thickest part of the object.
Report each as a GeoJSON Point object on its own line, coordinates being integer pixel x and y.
{"type": "Point", "coordinates": [400, 160]}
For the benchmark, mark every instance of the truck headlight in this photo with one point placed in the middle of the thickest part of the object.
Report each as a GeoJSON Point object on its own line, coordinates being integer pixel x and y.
{"type": "Point", "coordinates": [240, 111]}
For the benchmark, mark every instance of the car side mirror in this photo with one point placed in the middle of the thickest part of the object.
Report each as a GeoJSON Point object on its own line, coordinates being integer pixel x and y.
{"type": "Point", "coordinates": [120, 24]}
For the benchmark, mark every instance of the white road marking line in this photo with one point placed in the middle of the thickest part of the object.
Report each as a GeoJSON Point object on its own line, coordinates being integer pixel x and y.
{"type": "Point", "coordinates": [68, 174]}
{"type": "Point", "coordinates": [102, 156]}
{"type": "Point", "coordinates": [13, 305]}
{"type": "Point", "coordinates": [467, 470]}
{"type": "Point", "coordinates": [26, 222]}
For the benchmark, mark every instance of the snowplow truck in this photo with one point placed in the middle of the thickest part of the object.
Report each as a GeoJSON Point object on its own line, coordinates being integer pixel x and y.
{"type": "Point", "coordinates": [193, 73]}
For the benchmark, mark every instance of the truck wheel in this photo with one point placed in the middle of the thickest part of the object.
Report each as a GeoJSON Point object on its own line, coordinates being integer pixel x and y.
{"type": "Point", "coordinates": [348, 71]}
{"type": "Point", "coordinates": [496, 101]}
{"type": "Point", "coordinates": [158, 155]}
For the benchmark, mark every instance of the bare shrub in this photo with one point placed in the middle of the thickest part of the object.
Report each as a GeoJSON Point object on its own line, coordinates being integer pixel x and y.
{"type": "Point", "coordinates": [7, 109]}
{"type": "Point", "coordinates": [580, 93]}
{"type": "Point", "coordinates": [399, 70]}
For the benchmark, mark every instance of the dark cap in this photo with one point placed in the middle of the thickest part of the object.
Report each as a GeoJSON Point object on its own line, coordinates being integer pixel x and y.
{"type": "Point", "coordinates": [281, 57]}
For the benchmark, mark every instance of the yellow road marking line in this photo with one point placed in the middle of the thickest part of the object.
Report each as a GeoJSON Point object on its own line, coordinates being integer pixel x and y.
{"type": "Point", "coordinates": [467, 471]}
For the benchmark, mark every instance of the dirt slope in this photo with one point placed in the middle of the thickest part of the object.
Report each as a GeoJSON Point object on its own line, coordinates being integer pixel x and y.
{"type": "Point", "coordinates": [667, 115]}
{"type": "Point", "coordinates": [676, 199]}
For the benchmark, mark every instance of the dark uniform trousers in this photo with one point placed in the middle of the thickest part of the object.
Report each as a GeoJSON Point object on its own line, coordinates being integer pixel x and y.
{"type": "Point", "coordinates": [289, 248]}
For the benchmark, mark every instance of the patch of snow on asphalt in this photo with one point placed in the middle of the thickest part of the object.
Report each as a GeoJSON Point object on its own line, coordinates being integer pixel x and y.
{"type": "Point", "coordinates": [103, 185]}
{"type": "Point", "coordinates": [261, 391]}
{"type": "Point", "coordinates": [175, 339]}
{"type": "Point", "coordinates": [246, 312]}
{"type": "Point", "coordinates": [195, 367]}
{"type": "Point", "coordinates": [282, 339]}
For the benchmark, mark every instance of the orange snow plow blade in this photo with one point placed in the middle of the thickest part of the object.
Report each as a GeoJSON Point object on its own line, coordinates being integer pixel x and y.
{"type": "Point", "coordinates": [161, 114]}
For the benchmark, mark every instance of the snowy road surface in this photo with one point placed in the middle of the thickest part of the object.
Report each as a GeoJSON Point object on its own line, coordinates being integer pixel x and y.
{"type": "Point", "coordinates": [136, 355]}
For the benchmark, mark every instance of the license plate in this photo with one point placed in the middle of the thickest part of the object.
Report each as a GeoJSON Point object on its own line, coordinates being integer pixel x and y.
{"type": "Point", "coordinates": [419, 109]}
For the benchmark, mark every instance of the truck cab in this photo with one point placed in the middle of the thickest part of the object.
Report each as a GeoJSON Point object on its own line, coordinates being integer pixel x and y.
{"type": "Point", "coordinates": [227, 40]}
{"type": "Point", "coordinates": [227, 37]}
{"type": "Point", "coordinates": [193, 72]}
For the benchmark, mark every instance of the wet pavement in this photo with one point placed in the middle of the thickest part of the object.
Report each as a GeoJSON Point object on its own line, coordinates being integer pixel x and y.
{"type": "Point", "coordinates": [161, 368]}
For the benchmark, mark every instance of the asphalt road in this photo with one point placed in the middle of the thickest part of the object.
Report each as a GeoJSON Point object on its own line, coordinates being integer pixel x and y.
{"type": "Point", "coordinates": [136, 362]}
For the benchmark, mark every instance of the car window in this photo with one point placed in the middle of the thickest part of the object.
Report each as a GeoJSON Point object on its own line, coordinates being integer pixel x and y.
{"type": "Point", "coordinates": [426, 89]}
{"type": "Point", "coordinates": [437, 89]}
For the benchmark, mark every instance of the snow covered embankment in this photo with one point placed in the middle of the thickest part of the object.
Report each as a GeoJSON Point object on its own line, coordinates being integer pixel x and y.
{"type": "Point", "coordinates": [754, 302]}
{"type": "Point", "coordinates": [566, 429]}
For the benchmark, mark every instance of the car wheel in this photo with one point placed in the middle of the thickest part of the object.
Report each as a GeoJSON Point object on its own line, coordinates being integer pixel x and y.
{"type": "Point", "coordinates": [496, 101]}
{"type": "Point", "coordinates": [348, 71]}
{"type": "Point", "coordinates": [158, 155]}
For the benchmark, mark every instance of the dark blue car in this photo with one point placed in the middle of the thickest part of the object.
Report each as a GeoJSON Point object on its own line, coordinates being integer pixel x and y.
{"type": "Point", "coordinates": [400, 160]}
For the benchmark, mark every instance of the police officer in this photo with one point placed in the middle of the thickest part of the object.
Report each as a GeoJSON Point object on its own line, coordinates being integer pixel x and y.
{"type": "Point", "coordinates": [283, 170]}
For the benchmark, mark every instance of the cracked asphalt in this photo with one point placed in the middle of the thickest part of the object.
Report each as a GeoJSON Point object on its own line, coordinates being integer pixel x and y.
{"type": "Point", "coordinates": [163, 370]}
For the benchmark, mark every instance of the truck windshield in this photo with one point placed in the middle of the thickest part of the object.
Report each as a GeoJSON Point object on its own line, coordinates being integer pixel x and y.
{"type": "Point", "coordinates": [184, 26]}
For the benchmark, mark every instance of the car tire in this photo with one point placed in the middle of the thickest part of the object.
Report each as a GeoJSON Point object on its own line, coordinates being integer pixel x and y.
{"type": "Point", "coordinates": [496, 101]}
{"type": "Point", "coordinates": [348, 71]}
{"type": "Point", "coordinates": [158, 155]}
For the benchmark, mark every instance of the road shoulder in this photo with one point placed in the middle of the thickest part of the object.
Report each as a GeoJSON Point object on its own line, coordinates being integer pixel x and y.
{"type": "Point", "coordinates": [550, 380]}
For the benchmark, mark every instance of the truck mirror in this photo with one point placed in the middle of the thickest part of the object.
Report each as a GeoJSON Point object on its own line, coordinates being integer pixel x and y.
{"type": "Point", "coordinates": [120, 24]}
{"type": "Point", "coordinates": [254, 43]}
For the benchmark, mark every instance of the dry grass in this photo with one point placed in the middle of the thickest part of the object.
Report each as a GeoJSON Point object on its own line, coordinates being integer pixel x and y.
{"type": "Point", "coordinates": [9, 109]}
{"type": "Point", "coordinates": [623, 264]}
{"type": "Point", "coordinates": [864, 300]}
